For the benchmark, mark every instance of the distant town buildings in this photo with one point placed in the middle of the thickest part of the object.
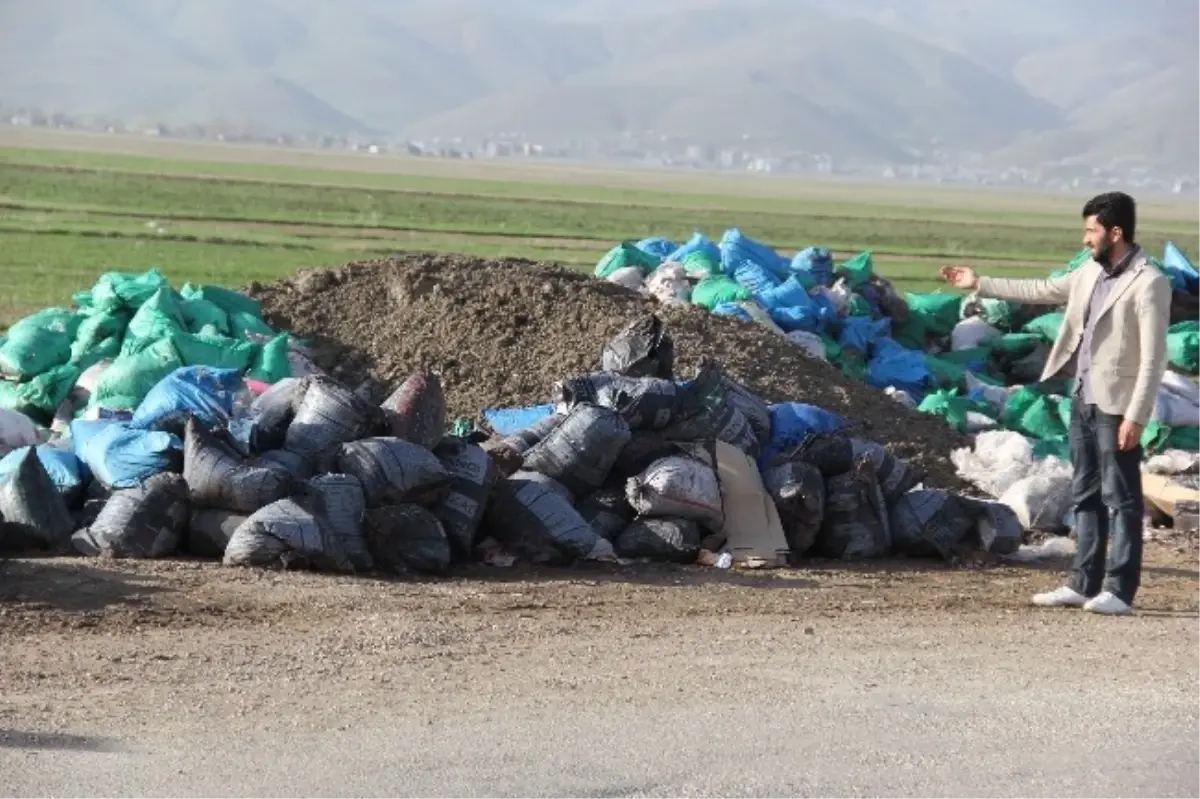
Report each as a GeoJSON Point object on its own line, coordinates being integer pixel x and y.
{"type": "Point", "coordinates": [929, 166]}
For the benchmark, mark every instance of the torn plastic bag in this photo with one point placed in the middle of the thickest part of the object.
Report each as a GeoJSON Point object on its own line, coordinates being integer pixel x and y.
{"type": "Point", "coordinates": [896, 477]}
{"type": "Point", "coordinates": [998, 530]}
{"type": "Point", "coordinates": [931, 523]}
{"type": "Point", "coordinates": [798, 490]}
{"type": "Point", "coordinates": [706, 413]}
{"type": "Point", "coordinates": [661, 538]}
{"type": "Point", "coordinates": [643, 348]}
{"type": "Point", "coordinates": [856, 517]}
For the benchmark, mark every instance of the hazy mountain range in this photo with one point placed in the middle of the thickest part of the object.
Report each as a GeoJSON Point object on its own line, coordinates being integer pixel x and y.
{"type": "Point", "coordinates": [1020, 82]}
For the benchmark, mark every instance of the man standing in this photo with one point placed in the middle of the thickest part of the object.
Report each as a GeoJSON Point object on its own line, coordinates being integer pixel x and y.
{"type": "Point", "coordinates": [1113, 341]}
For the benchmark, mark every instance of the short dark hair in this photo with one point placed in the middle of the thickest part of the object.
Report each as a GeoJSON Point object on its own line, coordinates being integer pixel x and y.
{"type": "Point", "coordinates": [1114, 209]}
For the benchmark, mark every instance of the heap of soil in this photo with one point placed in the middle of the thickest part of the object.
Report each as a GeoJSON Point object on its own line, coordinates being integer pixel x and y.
{"type": "Point", "coordinates": [501, 333]}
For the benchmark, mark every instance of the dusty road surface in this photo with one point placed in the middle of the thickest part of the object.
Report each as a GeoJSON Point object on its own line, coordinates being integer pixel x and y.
{"type": "Point", "coordinates": [189, 679]}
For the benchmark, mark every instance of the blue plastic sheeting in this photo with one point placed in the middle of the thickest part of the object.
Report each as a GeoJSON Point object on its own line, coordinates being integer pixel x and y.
{"type": "Point", "coordinates": [732, 309]}
{"type": "Point", "coordinates": [791, 423]}
{"type": "Point", "coordinates": [121, 456]}
{"type": "Point", "coordinates": [738, 250]}
{"type": "Point", "coordinates": [1184, 275]}
{"type": "Point", "coordinates": [69, 474]}
{"type": "Point", "coordinates": [506, 421]}
{"type": "Point", "coordinates": [697, 243]}
{"type": "Point", "coordinates": [861, 332]}
{"type": "Point", "coordinates": [825, 311]}
{"type": "Point", "coordinates": [199, 391]}
{"type": "Point", "coordinates": [657, 246]}
{"type": "Point", "coordinates": [788, 294]}
{"type": "Point", "coordinates": [816, 263]}
{"type": "Point", "coordinates": [896, 365]}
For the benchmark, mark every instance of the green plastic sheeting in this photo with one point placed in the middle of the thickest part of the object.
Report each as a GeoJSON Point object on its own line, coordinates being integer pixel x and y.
{"type": "Point", "coordinates": [626, 254]}
{"type": "Point", "coordinates": [1037, 415]}
{"type": "Point", "coordinates": [1046, 326]}
{"type": "Point", "coordinates": [230, 301]}
{"type": "Point", "coordinates": [125, 383]}
{"type": "Point", "coordinates": [947, 404]}
{"type": "Point", "coordinates": [97, 329]}
{"type": "Point", "coordinates": [38, 342]}
{"type": "Point", "coordinates": [41, 396]}
{"type": "Point", "coordinates": [997, 313]}
{"type": "Point", "coordinates": [1016, 345]}
{"type": "Point", "coordinates": [949, 369]}
{"type": "Point", "coordinates": [199, 312]}
{"type": "Point", "coordinates": [857, 305]}
{"type": "Point", "coordinates": [271, 364]}
{"type": "Point", "coordinates": [116, 291]}
{"type": "Point", "coordinates": [911, 334]}
{"type": "Point", "coordinates": [718, 289]}
{"type": "Point", "coordinates": [939, 313]}
{"type": "Point", "coordinates": [858, 270]}
{"type": "Point", "coordinates": [1079, 260]}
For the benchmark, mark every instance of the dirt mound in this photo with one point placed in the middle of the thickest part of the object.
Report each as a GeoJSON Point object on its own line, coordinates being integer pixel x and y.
{"type": "Point", "coordinates": [502, 332]}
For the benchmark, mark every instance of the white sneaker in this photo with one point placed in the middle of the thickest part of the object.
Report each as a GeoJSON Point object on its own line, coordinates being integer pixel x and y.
{"type": "Point", "coordinates": [1065, 597]}
{"type": "Point", "coordinates": [1109, 604]}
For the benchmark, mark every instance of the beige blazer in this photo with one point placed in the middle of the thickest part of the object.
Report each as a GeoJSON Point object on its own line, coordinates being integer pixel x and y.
{"type": "Point", "coordinates": [1129, 344]}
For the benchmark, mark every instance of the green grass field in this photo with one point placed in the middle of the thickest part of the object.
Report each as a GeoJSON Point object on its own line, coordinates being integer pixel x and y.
{"type": "Point", "coordinates": [67, 216]}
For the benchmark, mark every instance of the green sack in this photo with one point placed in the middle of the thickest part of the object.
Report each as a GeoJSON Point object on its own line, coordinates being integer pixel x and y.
{"type": "Point", "coordinates": [1079, 260]}
{"type": "Point", "coordinates": [1047, 326]}
{"type": "Point", "coordinates": [997, 313]}
{"type": "Point", "coordinates": [911, 334]}
{"type": "Point", "coordinates": [271, 365]}
{"type": "Point", "coordinates": [949, 369]}
{"type": "Point", "coordinates": [42, 395]}
{"type": "Point", "coordinates": [107, 350]}
{"type": "Point", "coordinates": [97, 328]}
{"type": "Point", "coordinates": [126, 382]}
{"type": "Point", "coordinates": [242, 325]}
{"type": "Point", "coordinates": [1183, 346]}
{"type": "Point", "coordinates": [718, 289]}
{"type": "Point", "coordinates": [939, 312]}
{"type": "Point", "coordinates": [217, 352]}
{"type": "Point", "coordinates": [199, 312]}
{"type": "Point", "coordinates": [116, 291]}
{"type": "Point", "coordinates": [38, 342]}
{"type": "Point", "coordinates": [1037, 415]}
{"type": "Point", "coordinates": [853, 363]}
{"type": "Point", "coordinates": [1016, 345]}
{"type": "Point", "coordinates": [1184, 438]}
{"type": "Point", "coordinates": [858, 270]}
{"type": "Point", "coordinates": [626, 254]}
{"type": "Point", "coordinates": [833, 350]}
{"type": "Point", "coordinates": [701, 263]}
{"type": "Point", "coordinates": [159, 317]}
{"type": "Point", "coordinates": [227, 300]}
{"type": "Point", "coordinates": [857, 305]}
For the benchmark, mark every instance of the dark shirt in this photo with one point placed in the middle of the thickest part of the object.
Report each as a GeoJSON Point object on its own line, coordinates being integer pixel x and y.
{"type": "Point", "coordinates": [1083, 356]}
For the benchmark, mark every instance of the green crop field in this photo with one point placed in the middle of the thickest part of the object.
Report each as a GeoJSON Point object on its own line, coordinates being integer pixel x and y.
{"type": "Point", "coordinates": [66, 216]}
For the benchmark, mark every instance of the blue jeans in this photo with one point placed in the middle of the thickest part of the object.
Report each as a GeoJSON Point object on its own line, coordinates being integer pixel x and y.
{"type": "Point", "coordinates": [1107, 492]}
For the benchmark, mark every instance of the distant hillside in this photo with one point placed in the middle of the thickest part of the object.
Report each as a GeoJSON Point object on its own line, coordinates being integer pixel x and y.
{"type": "Point", "coordinates": [875, 79]}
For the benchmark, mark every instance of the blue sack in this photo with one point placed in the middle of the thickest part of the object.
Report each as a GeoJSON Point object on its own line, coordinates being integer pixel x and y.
{"type": "Point", "coordinates": [657, 246]}
{"type": "Point", "coordinates": [1184, 275]}
{"type": "Point", "coordinates": [896, 365]}
{"type": "Point", "coordinates": [507, 421]}
{"type": "Point", "coordinates": [738, 250]}
{"type": "Point", "coordinates": [788, 294]}
{"type": "Point", "coordinates": [798, 317]}
{"type": "Point", "coordinates": [791, 423]}
{"type": "Point", "coordinates": [816, 262]}
{"type": "Point", "coordinates": [199, 391]}
{"type": "Point", "coordinates": [861, 332]}
{"type": "Point", "coordinates": [121, 456]}
{"type": "Point", "coordinates": [69, 474]}
{"type": "Point", "coordinates": [697, 243]}
{"type": "Point", "coordinates": [733, 309]}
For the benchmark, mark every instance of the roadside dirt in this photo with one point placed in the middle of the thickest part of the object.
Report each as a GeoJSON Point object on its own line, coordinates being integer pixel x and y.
{"type": "Point", "coordinates": [70, 622]}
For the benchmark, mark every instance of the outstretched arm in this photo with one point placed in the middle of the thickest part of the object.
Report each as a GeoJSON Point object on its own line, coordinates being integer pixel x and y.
{"type": "Point", "coordinates": [1052, 291]}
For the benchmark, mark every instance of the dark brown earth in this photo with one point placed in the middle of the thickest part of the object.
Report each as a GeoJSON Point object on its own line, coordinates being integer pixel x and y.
{"type": "Point", "coordinates": [502, 332]}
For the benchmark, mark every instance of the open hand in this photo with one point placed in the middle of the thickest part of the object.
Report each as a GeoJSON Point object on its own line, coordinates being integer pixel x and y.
{"type": "Point", "coordinates": [961, 277]}
{"type": "Point", "coordinates": [1129, 435]}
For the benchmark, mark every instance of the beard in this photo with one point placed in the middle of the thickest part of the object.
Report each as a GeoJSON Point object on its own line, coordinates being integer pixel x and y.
{"type": "Point", "coordinates": [1103, 253]}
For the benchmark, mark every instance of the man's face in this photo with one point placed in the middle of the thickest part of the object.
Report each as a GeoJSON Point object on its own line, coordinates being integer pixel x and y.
{"type": "Point", "coordinates": [1099, 240]}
